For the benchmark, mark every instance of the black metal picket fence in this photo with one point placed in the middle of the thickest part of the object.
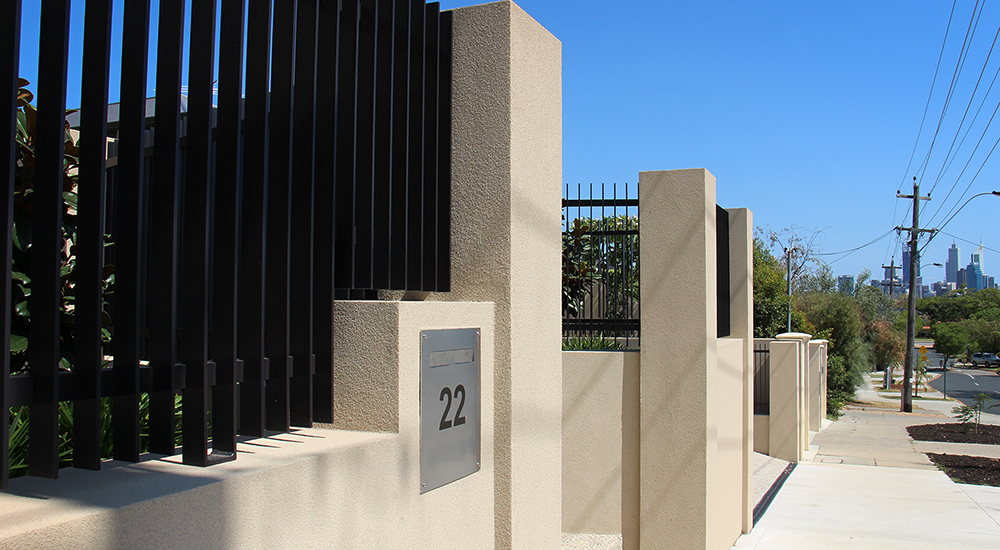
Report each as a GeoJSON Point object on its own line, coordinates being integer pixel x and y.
{"type": "Point", "coordinates": [203, 258]}
{"type": "Point", "coordinates": [601, 267]}
{"type": "Point", "coordinates": [761, 377]}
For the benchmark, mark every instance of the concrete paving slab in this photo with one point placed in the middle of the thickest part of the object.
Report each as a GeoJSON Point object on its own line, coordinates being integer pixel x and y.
{"type": "Point", "coordinates": [858, 507]}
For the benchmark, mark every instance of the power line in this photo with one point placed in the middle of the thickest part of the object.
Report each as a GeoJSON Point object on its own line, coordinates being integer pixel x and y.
{"type": "Point", "coordinates": [970, 242]}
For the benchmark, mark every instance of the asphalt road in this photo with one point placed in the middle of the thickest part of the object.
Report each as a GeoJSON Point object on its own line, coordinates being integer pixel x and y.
{"type": "Point", "coordinates": [965, 384]}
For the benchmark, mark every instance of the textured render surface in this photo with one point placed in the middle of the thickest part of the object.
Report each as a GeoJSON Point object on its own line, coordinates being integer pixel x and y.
{"type": "Point", "coordinates": [817, 406]}
{"type": "Point", "coordinates": [678, 287]}
{"type": "Point", "coordinates": [725, 451]}
{"type": "Point", "coordinates": [506, 245]}
{"type": "Point", "coordinates": [784, 440]}
{"type": "Point", "coordinates": [761, 433]}
{"type": "Point", "coordinates": [805, 382]}
{"type": "Point", "coordinates": [312, 488]}
{"type": "Point", "coordinates": [365, 389]}
{"type": "Point", "coordinates": [592, 441]}
{"type": "Point", "coordinates": [741, 326]}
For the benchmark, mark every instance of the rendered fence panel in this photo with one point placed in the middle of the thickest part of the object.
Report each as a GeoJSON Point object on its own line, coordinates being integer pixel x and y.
{"type": "Point", "coordinates": [252, 229]}
{"type": "Point", "coordinates": [301, 221]}
{"type": "Point", "coordinates": [90, 235]}
{"type": "Point", "coordinates": [10, 41]}
{"type": "Point", "coordinates": [128, 227]}
{"type": "Point", "coordinates": [279, 169]}
{"type": "Point", "coordinates": [47, 243]}
{"type": "Point", "coordinates": [225, 307]}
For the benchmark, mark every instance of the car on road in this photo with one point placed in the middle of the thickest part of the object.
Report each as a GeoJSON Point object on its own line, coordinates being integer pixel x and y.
{"type": "Point", "coordinates": [985, 359]}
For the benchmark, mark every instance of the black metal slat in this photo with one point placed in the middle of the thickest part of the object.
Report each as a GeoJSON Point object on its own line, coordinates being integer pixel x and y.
{"type": "Point", "coordinates": [400, 144]}
{"type": "Point", "coordinates": [163, 223]}
{"type": "Point", "coordinates": [382, 146]}
{"type": "Point", "coordinates": [194, 275]}
{"type": "Point", "coordinates": [722, 271]}
{"type": "Point", "coordinates": [301, 223]}
{"type": "Point", "coordinates": [364, 137]}
{"type": "Point", "coordinates": [224, 260]}
{"type": "Point", "coordinates": [415, 169]}
{"type": "Point", "coordinates": [345, 153]}
{"type": "Point", "coordinates": [430, 199]}
{"type": "Point", "coordinates": [279, 151]}
{"type": "Point", "coordinates": [10, 43]}
{"type": "Point", "coordinates": [46, 246]}
{"type": "Point", "coordinates": [128, 228]}
{"type": "Point", "coordinates": [443, 281]}
{"type": "Point", "coordinates": [580, 202]}
{"type": "Point", "coordinates": [90, 234]}
{"type": "Point", "coordinates": [252, 226]}
{"type": "Point", "coordinates": [323, 260]}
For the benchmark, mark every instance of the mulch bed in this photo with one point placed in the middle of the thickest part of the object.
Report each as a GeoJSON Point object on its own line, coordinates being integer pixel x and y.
{"type": "Point", "coordinates": [974, 470]}
{"type": "Point", "coordinates": [956, 433]}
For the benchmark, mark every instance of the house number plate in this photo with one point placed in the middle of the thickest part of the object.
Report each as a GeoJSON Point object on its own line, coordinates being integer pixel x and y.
{"type": "Point", "coordinates": [450, 409]}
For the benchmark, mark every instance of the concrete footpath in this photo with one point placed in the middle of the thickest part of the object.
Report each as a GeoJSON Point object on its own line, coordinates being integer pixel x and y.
{"type": "Point", "coordinates": [869, 486]}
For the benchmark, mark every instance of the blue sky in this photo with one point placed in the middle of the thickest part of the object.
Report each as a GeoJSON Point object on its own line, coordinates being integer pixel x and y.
{"type": "Point", "coordinates": [806, 112]}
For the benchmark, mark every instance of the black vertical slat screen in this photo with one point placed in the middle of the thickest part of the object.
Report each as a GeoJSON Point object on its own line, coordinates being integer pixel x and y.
{"type": "Point", "coordinates": [364, 137]}
{"type": "Point", "coordinates": [722, 271]}
{"type": "Point", "coordinates": [227, 192]}
{"type": "Point", "coordinates": [252, 228]}
{"type": "Point", "coordinates": [195, 192]}
{"type": "Point", "coordinates": [279, 151]}
{"type": "Point", "coordinates": [90, 240]}
{"type": "Point", "coordinates": [46, 243]}
{"type": "Point", "coordinates": [301, 222]}
{"type": "Point", "coordinates": [443, 214]}
{"type": "Point", "coordinates": [10, 41]}
{"type": "Point", "coordinates": [399, 145]}
{"type": "Point", "coordinates": [324, 209]}
{"type": "Point", "coordinates": [382, 146]}
{"type": "Point", "coordinates": [415, 154]}
{"type": "Point", "coordinates": [430, 139]}
{"type": "Point", "coordinates": [321, 172]}
{"type": "Point", "coordinates": [163, 227]}
{"type": "Point", "coordinates": [128, 228]}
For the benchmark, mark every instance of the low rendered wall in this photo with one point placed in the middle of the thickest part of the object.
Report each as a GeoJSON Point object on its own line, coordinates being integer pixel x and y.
{"type": "Point", "coordinates": [725, 438]}
{"type": "Point", "coordinates": [761, 434]}
{"type": "Point", "coordinates": [601, 443]}
{"type": "Point", "coordinates": [313, 488]}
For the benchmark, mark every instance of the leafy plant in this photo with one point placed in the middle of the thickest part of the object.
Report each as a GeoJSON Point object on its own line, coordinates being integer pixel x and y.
{"type": "Point", "coordinates": [579, 272]}
{"type": "Point", "coordinates": [970, 415]}
{"type": "Point", "coordinates": [592, 343]}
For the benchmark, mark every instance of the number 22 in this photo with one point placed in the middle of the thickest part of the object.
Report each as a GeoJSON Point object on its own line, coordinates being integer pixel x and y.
{"type": "Point", "coordinates": [459, 419]}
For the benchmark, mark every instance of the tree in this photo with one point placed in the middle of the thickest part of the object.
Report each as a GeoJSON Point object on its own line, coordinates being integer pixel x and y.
{"type": "Point", "coordinates": [887, 348]}
{"type": "Point", "coordinates": [770, 295]}
{"type": "Point", "coordinates": [836, 318]}
{"type": "Point", "coordinates": [950, 340]}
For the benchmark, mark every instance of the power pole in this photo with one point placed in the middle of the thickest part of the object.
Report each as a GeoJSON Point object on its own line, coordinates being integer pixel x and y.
{"type": "Point", "coordinates": [892, 267]}
{"type": "Point", "coordinates": [906, 399]}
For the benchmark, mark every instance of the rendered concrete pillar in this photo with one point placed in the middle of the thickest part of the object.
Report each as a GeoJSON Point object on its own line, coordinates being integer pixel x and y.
{"type": "Point", "coordinates": [741, 326]}
{"type": "Point", "coordinates": [802, 340]}
{"type": "Point", "coordinates": [785, 439]}
{"type": "Point", "coordinates": [506, 248]}
{"type": "Point", "coordinates": [678, 446]}
{"type": "Point", "coordinates": [817, 406]}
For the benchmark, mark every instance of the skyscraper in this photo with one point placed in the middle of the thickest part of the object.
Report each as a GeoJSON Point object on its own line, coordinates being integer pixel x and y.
{"type": "Point", "coordinates": [951, 266]}
{"type": "Point", "coordinates": [906, 265]}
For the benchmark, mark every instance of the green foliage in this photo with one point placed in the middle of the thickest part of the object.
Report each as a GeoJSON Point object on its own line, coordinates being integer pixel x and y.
{"type": "Point", "coordinates": [950, 339]}
{"type": "Point", "coordinates": [592, 343]}
{"type": "Point", "coordinates": [579, 272]}
{"type": "Point", "coordinates": [770, 295]}
{"type": "Point", "coordinates": [24, 173]}
{"type": "Point", "coordinates": [970, 415]}
{"type": "Point", "coordinates": [19, 425]}
{"type": "Point", "coordinates": [836, 318]}
{"type": "Point", "coordinates": [887, 344]}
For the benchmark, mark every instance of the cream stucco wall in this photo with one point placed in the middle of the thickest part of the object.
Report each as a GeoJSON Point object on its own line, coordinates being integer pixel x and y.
{"type": "Point", "coordinates": [785, 437]}
{"type": "Point", "coordinates": [686, 500]}
{"type": "Point", "coordinates": [741, 326]}
{"type": "Point", "coordinates": [600, 459]}
{"type": "Point", "coordinates": [312, 488]}
{"type": "Point", "coordinates": [506, 248]}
